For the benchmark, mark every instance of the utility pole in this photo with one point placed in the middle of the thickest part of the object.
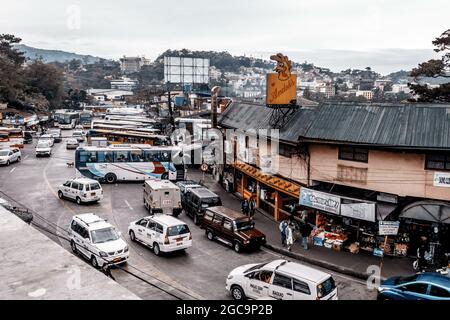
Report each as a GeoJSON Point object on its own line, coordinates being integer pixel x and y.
{"type": "Point", "coordinates": [214, 94]}
{"type": "Point", "coordinates": [172, 120]}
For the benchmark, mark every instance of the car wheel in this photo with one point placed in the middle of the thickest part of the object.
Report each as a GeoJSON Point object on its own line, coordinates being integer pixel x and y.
{"type": "Point", "coordinates": [196, 220]}
{"type": "Point", "coordinates": [237, 293]}
{"type": "Point", "coordinates": [210, 235]}
{"type": "Point", "coordinates": [165, 176]}
{"type": "Point", "coordinates": [111, 178]}
{"type": "Point", "coordinates": [94, 262]}
{"type": "Point", "coordinates": [78, 200]}
{"type": "Point", "coordinates": [156, 249]}
{"type": "Point", "coordinates": [73, 246]}
{"type": "Point", "coordinates": [60, 194]}
{"type": "Point", "coordinates": [237, 247]}
{"type": "Point", "coordinates": [7, 163]}
{"type": "Point", "coordinates": [132, 236]}
{"type": "Point", "coordinates": [19, 159]}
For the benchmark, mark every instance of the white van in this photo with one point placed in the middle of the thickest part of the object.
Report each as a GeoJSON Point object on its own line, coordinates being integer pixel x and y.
{"type": "Point", "coordinates": [162, 233]}
{"type": "Point", "coordinates": [97, 240]}
{"type": "Point", "coordinates": [81, 190]}
{"type": "Point", "coordinates": [162, 196]}
{"type": "Point", "coordinates": [281, 280]}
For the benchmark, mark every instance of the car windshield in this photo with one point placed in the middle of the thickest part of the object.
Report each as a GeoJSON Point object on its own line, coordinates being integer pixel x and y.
{"type": "Point", "coordinates": [77, 134]}
{"type": "Point", "coordinates": [3, 153]}
{"type": "Point", "coordinates": [178, 230]}
{"type": "Point", "coordinates": [402, 280]}
{"type": "Point", "coordinates": [326, 287]}
{"type": "Point", "coordinates": [95, 186]}
{"type": "Point", "coordinates": [244, 224]}
{"type": "Point", "coordinates": [42, 145]}
{"type": "Point", "coordinates": [258, 266]}
{"type": "Point", "coordinates": [104, 235]}
{"type": "Point", "coordinates": [211, 202]}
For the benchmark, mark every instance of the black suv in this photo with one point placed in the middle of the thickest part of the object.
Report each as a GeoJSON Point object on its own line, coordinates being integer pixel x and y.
{"type": "Point", "coordinates": [195, 201]}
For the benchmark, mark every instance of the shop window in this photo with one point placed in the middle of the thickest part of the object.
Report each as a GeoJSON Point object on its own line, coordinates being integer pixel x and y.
{"type": "Point", "coordinates": [354, 154]}
{"type": "Point", "coordinates": [437, 162]}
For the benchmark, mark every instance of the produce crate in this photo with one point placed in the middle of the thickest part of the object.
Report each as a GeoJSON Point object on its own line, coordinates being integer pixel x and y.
{"type": "Point", "coordinates": [318, 241]}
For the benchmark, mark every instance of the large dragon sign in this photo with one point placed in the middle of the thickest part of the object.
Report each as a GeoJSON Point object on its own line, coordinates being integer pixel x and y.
{"type": "Point", "coordinates": [284, 66]}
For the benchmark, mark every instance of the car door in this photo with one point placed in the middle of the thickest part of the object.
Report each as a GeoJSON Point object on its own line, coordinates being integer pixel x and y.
{"type": "Point", "coordinates": [188, 203]}
{"type": "Point", "coordinates": [258, 283]}
{"type": "Point", "coordinates": [66, 188]}
{"type": "Point", "coordinates": [227, 231]}
{"type": "Point", "coordinates": [73, 190]}
{"type": "Point", "coordinates": [301, 290]}
{"type": "Point", "coordinates": [415, 291]}
{"type": "Point", "coordinates": [159, 234]}
{"type": "Point", "coordinates": [150, 233]}
{"type": "Point", "coordinates": [141, 230]}
{"type": "Point", "coordinates": [281, 287]}
{"type": "Point", "coordinates": [217, 226]}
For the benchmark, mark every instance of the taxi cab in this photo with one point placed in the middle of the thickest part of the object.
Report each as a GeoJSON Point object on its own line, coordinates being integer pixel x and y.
{"type": "Point", "coordinates": [281, 280]}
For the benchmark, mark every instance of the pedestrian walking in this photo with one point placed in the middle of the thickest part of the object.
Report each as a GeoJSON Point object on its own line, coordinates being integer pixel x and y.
{"type": "Point", "coordinates": [283, 226]}
{"type": "Point", "coordinates": [252, 205]}
{"type": "Point", "coordinates": [290, 236]}
{"type": "Point", "coordinates": [305, 230]}
{"type": "Point", "coordinates": [245, 207]}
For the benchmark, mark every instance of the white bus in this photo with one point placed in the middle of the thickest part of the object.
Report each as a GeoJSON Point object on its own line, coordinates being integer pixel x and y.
{"type": "Point", "coordinates": [69, 120]}
{"type": "Point", "coordinates": [130, 163]}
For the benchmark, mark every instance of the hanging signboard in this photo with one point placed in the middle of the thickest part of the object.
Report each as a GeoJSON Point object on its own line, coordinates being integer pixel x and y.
{"type": "Point", "coordinates": [388, 228]}
{"type": "Point", "coordinates": [362, 211]}
{"type": "Point", "coordinates": [320, 200]}
{"type": "Point", "coordinates": [441, 179]}
{"type": "Point", "coordinates": [281, 86]}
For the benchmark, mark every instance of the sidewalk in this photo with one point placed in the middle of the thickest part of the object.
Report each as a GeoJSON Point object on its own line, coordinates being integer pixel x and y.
{"type": "Point", "coordinates": [355, 265]}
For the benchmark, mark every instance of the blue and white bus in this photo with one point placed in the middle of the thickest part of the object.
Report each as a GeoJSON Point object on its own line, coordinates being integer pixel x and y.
{"type": "Point", "coordinates": [86, 118]}
{"type": "Point", "coordinates": [130, 163]}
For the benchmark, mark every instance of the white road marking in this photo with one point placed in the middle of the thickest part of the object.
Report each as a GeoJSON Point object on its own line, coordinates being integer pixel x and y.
{"type": "Point", "coordinates": [26, 157]}
{"type": "Point", "coordinates": [12, 170]}
{"type": "Point", "coordinates": [128, 204]}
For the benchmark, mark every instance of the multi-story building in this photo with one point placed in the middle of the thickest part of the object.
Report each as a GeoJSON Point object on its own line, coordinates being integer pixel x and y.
{"type": "Point", "coordinates": [350, 168]}
{"type": "Point", "coordinates": [124, 84]}
{"type": "Point", "coordinates": [368, 94]}
{"type": "Point", "coordinates": [132, 64]}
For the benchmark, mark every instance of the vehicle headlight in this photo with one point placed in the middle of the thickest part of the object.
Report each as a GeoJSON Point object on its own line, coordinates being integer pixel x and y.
{"type": "Point", "coordinates": [126, 249]}
{"type": "Point", "coordinates": [230, 277]}
{"type": "Point", "coordinates": [103, 254]}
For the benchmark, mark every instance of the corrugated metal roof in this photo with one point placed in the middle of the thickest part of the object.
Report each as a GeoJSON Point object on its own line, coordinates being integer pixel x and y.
{"type": "Point", "coordinates": [402, 125]}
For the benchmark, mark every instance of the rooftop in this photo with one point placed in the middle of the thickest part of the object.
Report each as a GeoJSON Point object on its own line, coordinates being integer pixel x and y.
{"type": "Point", "coordinates": [35, 267]}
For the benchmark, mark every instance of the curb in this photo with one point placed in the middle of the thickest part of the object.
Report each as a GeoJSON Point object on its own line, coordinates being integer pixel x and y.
{"type": "Point", "coordinates": [320, 263]}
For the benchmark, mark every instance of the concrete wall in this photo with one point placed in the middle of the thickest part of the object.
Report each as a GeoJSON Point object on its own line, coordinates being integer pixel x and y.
{"type": "Point", "coordinates": [398, 173]}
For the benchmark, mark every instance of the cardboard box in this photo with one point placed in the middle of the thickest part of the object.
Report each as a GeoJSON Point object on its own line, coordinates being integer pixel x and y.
{"type": "Point", "coordinates": [337, 246]}
{"type": "Point", "coordinates": [329, 244]}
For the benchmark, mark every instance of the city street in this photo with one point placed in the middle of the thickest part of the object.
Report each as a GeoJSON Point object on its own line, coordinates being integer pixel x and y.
{"type": "Point", "coordinates": [198, 273]}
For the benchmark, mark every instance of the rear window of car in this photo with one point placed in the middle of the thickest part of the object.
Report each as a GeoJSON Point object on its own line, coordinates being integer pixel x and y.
{"type": "Point", "coordinates": [178, 230]}
{"type": "Point", "coordinates": [94, 186]}
{"type": "Point", "coordinates": [211, 202]}
{"type": "Point", "coordinates": [326, 287]}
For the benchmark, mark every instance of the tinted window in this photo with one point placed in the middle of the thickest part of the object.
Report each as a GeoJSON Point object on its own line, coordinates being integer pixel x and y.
{"type": "Point", "coordinates": [420, 288]}
{"type": "Point", "coordinates": [282, 281]}
{"type": "Point", "coordinates": [142, 223]}
{"type": "Point", "coordinates": [75, 185]}
{"type": "Point", "coordinates": [178, 230]}
{"type": "Point", "coordinates": [439, 292]}
{"type": "Point", "coordinates": [152, 226]}
{"type": "Point", "coordinates": [208, 216]}
{"type": "Point", "coordinates": [104, 235]}
{"type": "Point", "coordinates": [159, 228]}
{"type": "Point", "coordinates": [302, 287]}
{"type": "Point", "coordinates": [211, 202]}
{"type": "Point", "coordinates": [105, 156]}
{"type": "Point", "coordinates": [136, 156]}
{"type": "Point", "coordinates": [227, 224]}
{"type": "Point", "coordinates": [67, 184]}
{"type": "Point", "coordinates": [94, 186]}
{"type": "Point", "coordinates": [217, 219]}
{"type": "Point", "coordinates": [121, 156]}
{"type": "Point", "coordinates": [80, 186]}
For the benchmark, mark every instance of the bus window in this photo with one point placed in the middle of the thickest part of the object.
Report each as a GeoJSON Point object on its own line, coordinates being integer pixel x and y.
{"type": "Point", "coordinates": [151, 156]}
{"type": "Point", "coordinates": [92, 156]}
{"type": "Point", "coordinates": [164, 156]}
{"type": "Point", "coordinates": [83, 156]}
{"type": "Point", "coordinates": [121, 156]}
{"type": "Point", "coordinates": [136, 156]}
{"type": "Point", "coordinates": [105, 156]}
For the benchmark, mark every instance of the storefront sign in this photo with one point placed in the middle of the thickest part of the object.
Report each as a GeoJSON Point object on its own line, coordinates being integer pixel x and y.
{"type": "Point", "coordinates": [362, 211]}
{"type": "Point", "coordinates": [281, 86]}
{"type": "Point", "coordinates": [442, 179]}
{"type": "Point", "coordinates": [388, 228]}
{"type": "Point", "coordinates": [320, 200]}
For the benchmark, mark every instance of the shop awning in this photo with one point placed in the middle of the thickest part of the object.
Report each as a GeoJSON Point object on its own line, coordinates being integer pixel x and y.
{"type": "Point", "coordinates": [271, 181]}
{"type": "Point", "coordinates": [384, 210]}
{"type": "Point", "coordinates": [431, 211]}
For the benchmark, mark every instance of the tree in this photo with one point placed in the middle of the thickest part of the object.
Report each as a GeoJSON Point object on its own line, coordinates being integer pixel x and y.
{"type": "Point", "coordinates": [11, 60]}
{"type": "Point", "coordinates": [434, 68]}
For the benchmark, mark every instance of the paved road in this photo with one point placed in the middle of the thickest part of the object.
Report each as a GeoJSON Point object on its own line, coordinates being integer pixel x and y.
{"type": "Point", "coordinates": [199, 273]}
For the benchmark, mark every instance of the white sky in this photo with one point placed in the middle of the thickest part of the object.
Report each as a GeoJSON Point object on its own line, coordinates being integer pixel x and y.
{"type": "Point", "coordinates": [113, 28]}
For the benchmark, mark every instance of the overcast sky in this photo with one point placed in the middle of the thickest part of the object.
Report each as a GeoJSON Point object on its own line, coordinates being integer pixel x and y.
{"type": "Point", "coordinates": [110, 28]}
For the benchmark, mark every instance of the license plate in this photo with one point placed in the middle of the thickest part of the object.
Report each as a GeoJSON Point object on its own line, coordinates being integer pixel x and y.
{"type": "Point", "coordinates": [93, 194]}
{"type": "Point", "coordinates": [179, 243]}
{"type": "Point", "coordinates": [167, 202]}
{"type": "Point", "coordinates": [116, 260]}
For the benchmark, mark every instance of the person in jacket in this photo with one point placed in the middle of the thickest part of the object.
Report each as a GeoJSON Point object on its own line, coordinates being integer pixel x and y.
{"type": "Point", "coordinates": [252, 206]}
{"type": "Point", "coordinates": [290, 236]}
{"type": "Point", "coordinates": [305, 230]}
{"type": "Point", "coordinates": [283, 226]}
{"type": "Point", "coordinates": [245, 207]}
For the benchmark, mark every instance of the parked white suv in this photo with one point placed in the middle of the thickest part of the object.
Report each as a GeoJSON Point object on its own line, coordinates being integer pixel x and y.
{"type": "Point", "coordinates": [79, 135]}
{"type": "Point", "coordinates": [81, 190]}
{"type": "Point", "coordinates": [281, 280]}
{"type": "Point", "coordinates": [8, 156]}
{"type": "Point", "coordinates": [97, 240]}
{"type": "Point", "coordinates": [48, 138]}
{"type": "Point", "coordinates": [162, 233]}
{"type": "Point", "coordinates": [43, 148]}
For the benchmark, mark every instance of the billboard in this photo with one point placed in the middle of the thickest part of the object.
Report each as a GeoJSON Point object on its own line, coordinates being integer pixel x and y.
{"type": "Point", "coordinates": [320, 200]}
{"type": "Point", "coordinates": [281, 86]}
{"type": "Point", "coordinates": [186, 70]}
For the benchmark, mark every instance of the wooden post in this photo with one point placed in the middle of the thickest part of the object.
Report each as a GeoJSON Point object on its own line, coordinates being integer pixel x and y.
{"type": "Point", "coordinates": [258, 194]}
